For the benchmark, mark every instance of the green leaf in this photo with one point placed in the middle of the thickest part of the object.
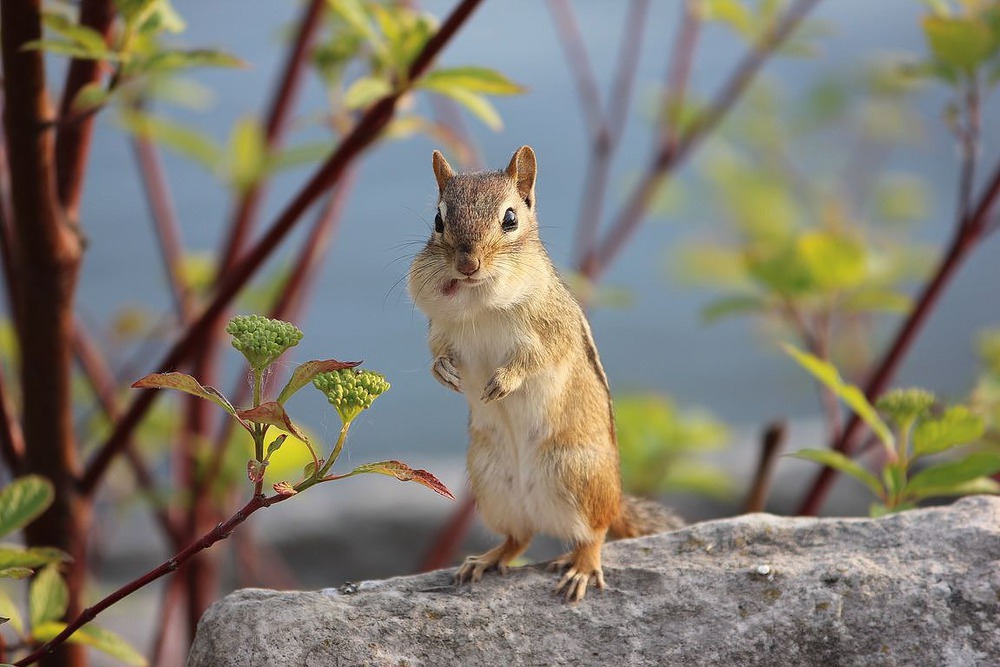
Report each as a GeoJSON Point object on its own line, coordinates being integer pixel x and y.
{"type": "Point", "coordinates": [838, 461]}
{"type": "Point", "coordinates": [247, 151]}
{"type": "Point", "coordinates": [733, 13]}
{"type": "Point", "coordinates": [175, 59]}
{"type": "Point", "coordinates": [22, 501]}
{"type": "Point", "coordinates": [355, 15]}
{"type": "Point", "coordinates": [478, 105]}
{"type": "Point", "coordinates": [953, 473]}
{"type": "Point", "coordinates": [827, 374]}
{"type": "Point", "coordinates": [183, 140]}
{"type": "Point", "coordinates": [187, 384]}
{"type": "Point", "coordinates": [365, 91]}
{"type": "Point", "coordinates": [16, 573]}
{"type": "Point", "coordinates": [963, 42]}
{"type": "Point", "coordinates": [92, 96]}
{"type": "Point", "coordinates": [979, 485]}
{"type": "Point", "coordinates": [48, 596]}
{"type": "Point", "coordinates": [94, 637]}
{"type": "Point", "coordinates": [294, 156]}
{"type": "Point", "coordinates": [33, 557]}
{"type": "Point", "coordinates": [71, 49]}
{"type": "Point", "coordinates": [275, 445]}
{"type": "Point", "coordinates": [957, 426]}
{"type": "Point", "coordinates": [10, 611]}
{"type": "Point", "coordinates": [88, 38]}
{"type": "Point", "coordinates": [405, 473]}
{"type": "Point", "coordinates": [741, 304]}
{"type": "Point", "coordinates": [873, 299]}
{"type": "Point", "coordinates": [835, 262]}
{"type": "Point", "coordinates": [472, 79]}
{"type": "Point", "coordinates": [305, 372]}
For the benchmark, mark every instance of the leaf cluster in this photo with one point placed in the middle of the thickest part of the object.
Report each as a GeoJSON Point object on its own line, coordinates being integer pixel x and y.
{"type": "Point", "coordinates": [910, 431]}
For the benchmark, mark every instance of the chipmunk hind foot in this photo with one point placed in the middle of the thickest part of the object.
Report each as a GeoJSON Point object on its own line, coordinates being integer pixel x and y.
{"type": "Point", "coordinates": [497, 558]}
{"type": "Point", "coordinates": [640, 516]}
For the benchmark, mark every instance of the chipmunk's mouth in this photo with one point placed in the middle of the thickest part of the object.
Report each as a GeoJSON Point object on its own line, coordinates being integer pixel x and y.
{"type": "Point", "coordinates": [450, 287]}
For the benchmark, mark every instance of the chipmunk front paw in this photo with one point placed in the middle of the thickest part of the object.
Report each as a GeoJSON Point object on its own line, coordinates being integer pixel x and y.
{"type": "Point", "coordinates": [444, 371]}
{"type": "Point", "coordinates": [500, 385]}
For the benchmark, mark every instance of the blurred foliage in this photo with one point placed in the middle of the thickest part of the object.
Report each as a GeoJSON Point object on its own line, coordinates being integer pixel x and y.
{"type": "Point", "coordinates": [813, 234]}
{"type": "Point", "coordinates": [909, 428]}
{"type": "Point", "coordinates": [661, 447]}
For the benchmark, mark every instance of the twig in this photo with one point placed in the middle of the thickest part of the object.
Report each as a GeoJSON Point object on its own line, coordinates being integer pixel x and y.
{"type": "Point", "coordinates": [11, 437]}
{"type": "Point", "coordinates": [771, 443]}
{"type": "Point", "coordinates": [8, 251]}
{"type": "Point", "coordinates": [579, 63]}
{"type": "Point", "coordinates": [442, 551]}
{"type": "Point", "coordinates": [368, 128]}
{"type": "Point", "coordinates": [220, 532]}
{"type": "Point", "coordinates": [172, 590]}
{"type": "Point", "coordinates": [161, 207]}
{"type": "Point", "coordinates": [969, 144]}
{"type": "Point", "coordinates": [671, 155]}
{"type": "Point", "coordinates": [679, 73]}
{"type": "Point", "coordinates": [73, 139]}
{"type": "Point", "coordinates": [968, 233]}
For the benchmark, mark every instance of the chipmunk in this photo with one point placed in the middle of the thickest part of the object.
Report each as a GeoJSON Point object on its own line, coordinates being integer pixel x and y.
{"type": "Point", "coordinates": [506, 332]}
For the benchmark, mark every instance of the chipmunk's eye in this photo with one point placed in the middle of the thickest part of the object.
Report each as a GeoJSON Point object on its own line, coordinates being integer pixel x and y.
{"type": "Point", "coordinates": [509, 223]}
{"type": "Point", "coordinates": [439, 223]}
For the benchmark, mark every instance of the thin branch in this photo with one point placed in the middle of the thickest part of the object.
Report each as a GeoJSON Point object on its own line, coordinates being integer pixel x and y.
{"type": "Point", "coordinates": [161, 208]}
{"type": "Point", "coordinates": [367, 130]}
{"type": "Point", "coordinates": [679, 74]}
{"type": "Point", "coordinates": [11, 437]}
{"type": "Point", "coordinates": [587, 89]}
{"type": "Point", "coordinates": [669, 155]}
{"type": "Point", "coordinates": [969, 144]}
{"type": "Point", "coordinates": [968, 233]}
{"type": "Point", "coordinates": [172, 591]}
{"type": "Point", "coordinates": [73, 139]}
{"type": "Point", "coordinates": [220, 532]}
{"type": "Point", "coordinates": [771, 443]}
{"type": "Point", "coordinates": [442, 551]}
{"type": "Point", "coordinates": [274, 129]}
{"type": "Point", "coordinates": [8, 251]}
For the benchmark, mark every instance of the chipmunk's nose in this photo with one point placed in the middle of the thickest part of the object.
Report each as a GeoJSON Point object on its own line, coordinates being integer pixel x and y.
{"type": "Point", "coordinates": [466, 262]}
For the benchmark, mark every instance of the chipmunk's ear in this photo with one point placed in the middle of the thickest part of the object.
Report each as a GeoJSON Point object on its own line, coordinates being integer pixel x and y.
{"type": "Point", "coordinates": [442, 170]}
{"type": "Point", "coordinates": [521, 170]}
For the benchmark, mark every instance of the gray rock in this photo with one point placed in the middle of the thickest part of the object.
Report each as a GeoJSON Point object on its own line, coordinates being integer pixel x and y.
{"type": "Point", "coordinates": [917, 588]}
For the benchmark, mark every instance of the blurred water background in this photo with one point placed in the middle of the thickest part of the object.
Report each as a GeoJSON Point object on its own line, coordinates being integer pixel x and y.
{"type": "Point", "coordinates": [658, 342]}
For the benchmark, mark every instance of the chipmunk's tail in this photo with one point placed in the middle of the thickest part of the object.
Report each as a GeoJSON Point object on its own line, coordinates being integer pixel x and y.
{"type": "Point", "coordinates": [639, 516]}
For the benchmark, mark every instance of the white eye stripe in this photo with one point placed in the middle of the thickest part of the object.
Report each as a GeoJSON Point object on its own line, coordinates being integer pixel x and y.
{"type": "Point", "coordinates": [443, 210]}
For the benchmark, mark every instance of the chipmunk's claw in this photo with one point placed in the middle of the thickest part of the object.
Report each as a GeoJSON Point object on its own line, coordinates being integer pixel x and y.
{"type": "Point", "coordinates": [444, 371]}
{"type": "Point", "coordinates": [575, 580]}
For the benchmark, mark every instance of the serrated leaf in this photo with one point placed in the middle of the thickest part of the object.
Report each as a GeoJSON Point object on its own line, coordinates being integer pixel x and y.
{"type": "Point", "coordinates": [472, 79]}
{"type": "Point", "coordinates": [963, 42]}
{"type": "Point", "coordinates": [31, 558]}
{"type": "Point", "coordinates": [957, 426]}
{"type": "Point", "coordinates": [827, 374]}
{"type": "Point", "coordinates": [729, 306]}
{"type": "Point", "coordinates": [405, 473]}
{"type": "Point", "coordinates": [22, 501]}
{"type": "Point", "coordinates": [274, 414]}
{"type": "Point", "coordinates": [256, 470]}
{"type": "Point", "coordinates": [366, 90]}
{"type": "Point", "coordinates": [305, 372]}
{"type": "Point", "coordinates": [838, 461]}
{"type": "Point", "coordinates": [478, 105]}
{"type": "Point", "coordinates": [10, 611]}
{"type": "Point", "coordinates": [284, 489]}
{"type": "Point", "coordinates": [178, 138]}
{"type": "Point", "coordinates": [953, 473]}
{"type": "Point", "coordinates": [189, 385]}
{"type": "Point", "coordinates": [48, 596]}
{"type": "Point", "coordinates": [94, 637]}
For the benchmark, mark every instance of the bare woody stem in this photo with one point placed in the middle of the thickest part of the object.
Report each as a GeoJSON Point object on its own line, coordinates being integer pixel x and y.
{"type": "Point", "coordinates": [671, 154]}
{"type": "Point", "coordinates": [220, 532]}
{"type": "Point", "coordinates": [366, 131]}
{"type": "Point", "coordinates": [968, 233]}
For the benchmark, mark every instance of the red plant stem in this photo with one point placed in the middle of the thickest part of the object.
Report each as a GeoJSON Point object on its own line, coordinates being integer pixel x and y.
{"type": "Point", "coordinates": [11, 437]}
{"type": "Point", "coordinates": [583, 74]}
{"type": "Point", "coordinates": [679, 73]}
{"type": "Point", "coordinates": [102, 382]}
{"type": "Point", "coordinates": [770, 446]}
{"type": "Point", "coordinates": [368, 128]}
{"type": "Point", "coordinates": [171, 597]}
{"type": "Point", "coordinates": [443, 550]}
{"type": "Point", "coordinates": [161, 207]}
{"type": "Point", "coordinates": [73, 139]}
{"type": "Point", "coordinates": [274, 129]}
{"type": "Point", "coordinates": [220, 532]}
{"type": "Point", "coordinates": [670, 155]}
{"type": "Point", "coordinates": [967, 235]}
{"type": "Point", "coordinates": [7, 250]}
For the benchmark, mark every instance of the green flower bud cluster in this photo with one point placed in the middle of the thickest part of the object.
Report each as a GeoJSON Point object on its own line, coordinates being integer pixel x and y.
{"type": "Point", "coordinates": [350, 391]}
{"type": "Point", "coordinates": [905, 406]}
{"type": "Point", "coordinates": [262, 340]}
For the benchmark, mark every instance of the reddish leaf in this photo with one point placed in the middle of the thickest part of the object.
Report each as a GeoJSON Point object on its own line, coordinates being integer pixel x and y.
{"type": "Point", "coordinates": [284, 489]}
{"type": "Point", "coordinates": [189, 385]}
{"type": "Point", "coordinates": [304, 374]}
{"type": "Point", "coordinates": [255, 470]}
{"type": "Point", "coordinates": [272, 413]}
{"type": "Point", "coordinates": [405, 473]}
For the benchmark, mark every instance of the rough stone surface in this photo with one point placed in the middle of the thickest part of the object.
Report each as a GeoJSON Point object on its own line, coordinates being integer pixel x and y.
{"type": "Point", "coordinates": [918, 588]}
